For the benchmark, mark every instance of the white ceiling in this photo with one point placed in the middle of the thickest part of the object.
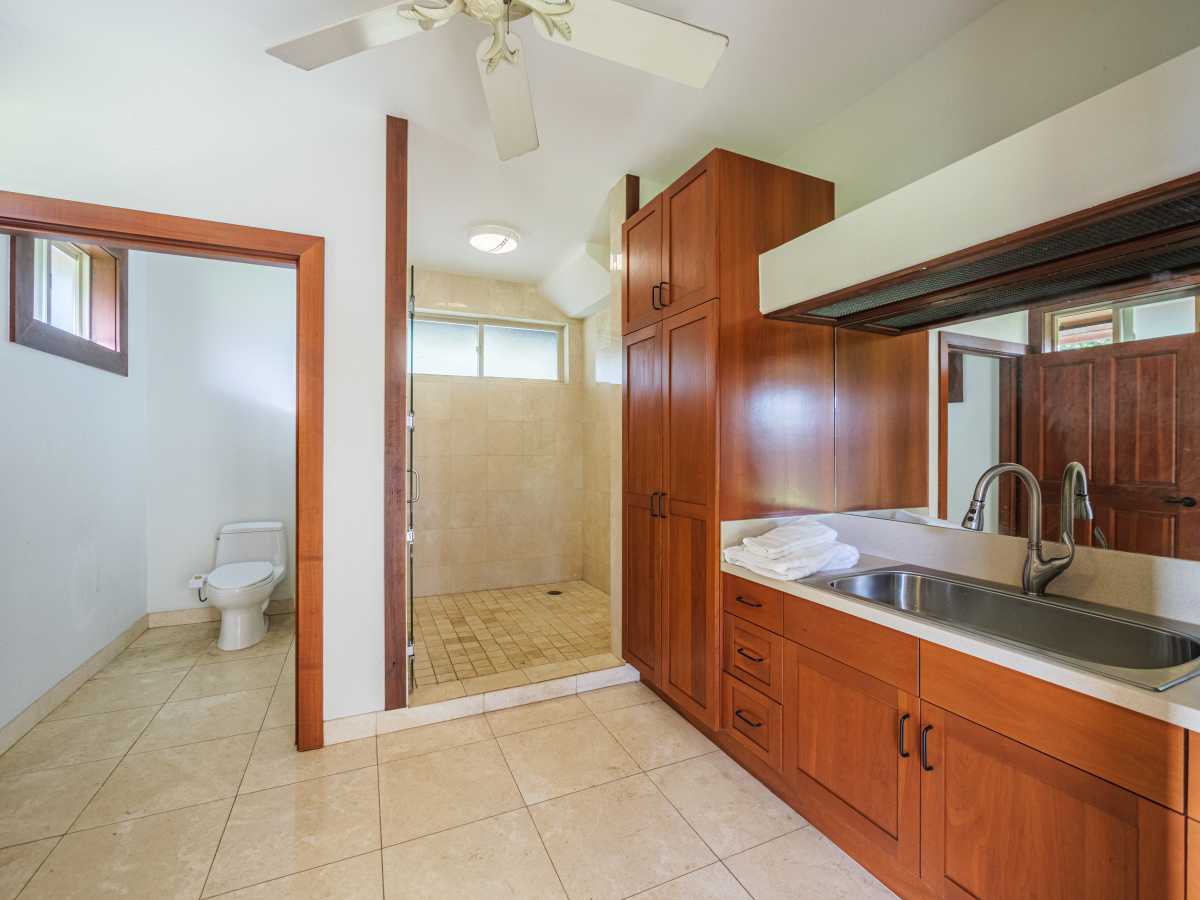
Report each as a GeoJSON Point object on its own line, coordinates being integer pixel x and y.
{"type": "Point", "coordinates": [791, 64]}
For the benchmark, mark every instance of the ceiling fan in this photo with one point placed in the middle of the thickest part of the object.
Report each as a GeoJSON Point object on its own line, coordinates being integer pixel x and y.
{"type": "Point", "coordinates": [606, 28]}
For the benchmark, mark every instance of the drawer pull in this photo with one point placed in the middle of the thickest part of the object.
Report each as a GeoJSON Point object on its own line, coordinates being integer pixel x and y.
{"type": "Point", "coordinates": [741, 715]}
{"type": "Point", "coordinates": [750, 656]}
{"type": "Point", "coordinates": [904, 754]}
{"type": "Point", "coordinates": [925, 748]}
{"type": "Point", "coordinates": [753, 604]}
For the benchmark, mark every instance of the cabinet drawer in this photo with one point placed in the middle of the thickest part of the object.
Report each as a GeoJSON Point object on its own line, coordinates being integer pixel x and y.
{"type": "Point", "coordinates": [754, 655]}
{"type": "Point", "coordinates": [753, 720]}
{"type": "Point", "coordinates": [882, 653]}
{"type": "Point", "coordinates": [761, 605]}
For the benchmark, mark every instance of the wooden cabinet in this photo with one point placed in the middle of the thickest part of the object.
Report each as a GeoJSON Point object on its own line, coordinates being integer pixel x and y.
{"type": "Point", "coordinates": [711, 383]}
{"type": "Point", "coordinates": [754, 720]}
{"type": "Point", "coordinates": [671, 615]}
{"type": "Point", "coordinates": [850, 747]}
{"type": "Point", "coordinates": [641, 531]}
{"type": "Point", "coordinates": [1002, 820]}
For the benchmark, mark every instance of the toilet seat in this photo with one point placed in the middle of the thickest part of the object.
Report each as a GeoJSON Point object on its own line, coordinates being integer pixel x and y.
{"type": "Point", "coordinates": [237, 576]}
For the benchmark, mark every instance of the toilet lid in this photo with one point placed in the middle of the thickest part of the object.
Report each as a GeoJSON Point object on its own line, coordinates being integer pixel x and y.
{"type": "Point", "coordinates": [239, 575]}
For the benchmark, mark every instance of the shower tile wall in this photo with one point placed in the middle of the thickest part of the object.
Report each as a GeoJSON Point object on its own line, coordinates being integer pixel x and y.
{"type": "Point", "coordinates": [601, 441]}
{"type": "Point", "coordinates": [501, 461]}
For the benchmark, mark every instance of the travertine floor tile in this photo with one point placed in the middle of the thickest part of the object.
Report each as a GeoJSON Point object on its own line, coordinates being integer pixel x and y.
{"type": "Point", "coordinates": [429, 793]}
{"type": "Point", "coordinates": [655, 735]}
{"type": "Point", "coordinates": [570, 756]}
{"type": "Point", "coordinates": [548, 671]}
{"type": "Point", "coordinates": [17, 865]}
{"type": "Point", "coordinates": [156, 658]}
{"type": "Point", "coordinates": [189, 721]}
{"type": "Point", "coordinates": [282, 710]}
{"type": "Point", "coordinates": [497, 858]}
{"type": "Point", "coordinates": [804, 865]}
{"type": "Point", "coordinates": [163, 780]}
{"type": "Point", "coordinates": [39, 804]}
{"type": "Point", "coordinates": [536, 715]}
{"type": "Point", "coordinates": [101, 695]}
{"type": "Point", "coordinates": [442, 736]}
{"type": "Point", "coordinates": [162, 857]}
{"type": "Point", "coordinates": [65, 742]}
{"type": "Point", "coordinates": [301, 826]}
{"type": "Point", "coordinates": [276, 762]}
{"type": "Point", "coordinates": [178, 634]}
{"type": "Point", "coordinates": [358, 878]}
{"type": "Point", "coordinates": [498, 682]}
{"type": "Point", "coordinates": [617, 839]}
{"type": "Point", "coordinates": [229, 677]}
{"type": "Point", "coordinates": [710, 883]}
{"type": "Point", "coordinates": [618, 696]}
{"type": "Point", "coordinates": [436, 693]}
{"type": "Point", "coordinates": [729, 808]}
{"type": "Point", "coordinates": [601, 661]}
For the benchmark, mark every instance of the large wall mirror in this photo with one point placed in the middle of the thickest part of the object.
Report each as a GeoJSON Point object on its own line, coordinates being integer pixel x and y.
{"type": "Point", "coordinates": [1109, 380]}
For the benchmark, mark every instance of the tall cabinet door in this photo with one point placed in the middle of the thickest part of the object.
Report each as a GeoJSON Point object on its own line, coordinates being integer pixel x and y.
{"type": "Point", "coordinates": [850, 743]}
{"type": "Point", "coordinates": [689, 213]}
{"type": "Point", "coordinates": [690, 613]}
{"type": "Point", "coordinates": [641, 531]}
{"type": "Point", "coordinates": [1000, 820]}
{"type": "Point", "coordinates": [642, 236]}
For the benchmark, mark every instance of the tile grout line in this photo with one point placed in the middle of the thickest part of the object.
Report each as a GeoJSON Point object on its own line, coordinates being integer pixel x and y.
{"type": "Point", "coordinates": [96, 793]}
{"type": "Point", "coordinates": [242, 780]}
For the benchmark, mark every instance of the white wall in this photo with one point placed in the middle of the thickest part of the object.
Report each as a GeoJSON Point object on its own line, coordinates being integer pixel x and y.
{"type": "Point", "coordinates": [1019, 63]}
{"type": "Point", "coordinates": [973, 435]}
{"type": "Point", "coordinates": [72, 536]}
{"type": "Point", "coordinates": [220, 412]}
{"type": "Point", "coordinates": [218, 130]}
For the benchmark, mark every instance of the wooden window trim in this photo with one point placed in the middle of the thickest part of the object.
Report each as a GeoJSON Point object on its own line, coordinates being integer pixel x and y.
{"type": "Point", "coordinates": [27, 331]}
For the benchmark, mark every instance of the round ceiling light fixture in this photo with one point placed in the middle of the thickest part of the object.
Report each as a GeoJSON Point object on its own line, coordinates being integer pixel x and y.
{"type": "Point", "coordinates": [493, 239]}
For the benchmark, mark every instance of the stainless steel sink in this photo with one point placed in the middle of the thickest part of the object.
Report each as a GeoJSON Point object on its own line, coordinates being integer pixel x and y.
{"type": "Point", "coordinates": [1143, 650]}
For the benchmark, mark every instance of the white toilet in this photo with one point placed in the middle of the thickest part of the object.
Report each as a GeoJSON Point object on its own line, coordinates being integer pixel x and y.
{"type": "Point", "coordinates": [248, 564]}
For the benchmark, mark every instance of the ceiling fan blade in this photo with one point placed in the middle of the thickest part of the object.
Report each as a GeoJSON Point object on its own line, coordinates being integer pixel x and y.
{"type": "Point", "coordinates": [510, 105]}
{"type": "Point", "coordinates": [644, 40]}
{"type": "Point", "coordinates": [373, 29]}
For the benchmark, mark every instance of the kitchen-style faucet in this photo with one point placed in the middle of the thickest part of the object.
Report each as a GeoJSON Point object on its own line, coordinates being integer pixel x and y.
{"type": "Point", "coordinates": [1039, 571]}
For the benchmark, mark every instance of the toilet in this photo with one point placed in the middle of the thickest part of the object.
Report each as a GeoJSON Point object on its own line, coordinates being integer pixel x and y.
{"type": "Point", "coordinates": [248, 564]}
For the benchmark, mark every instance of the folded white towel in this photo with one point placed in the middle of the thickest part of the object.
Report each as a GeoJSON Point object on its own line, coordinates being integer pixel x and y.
{"type": "Point", "coordinates": [779, 542]}
{"type": "Point", "coordinates": [797, 565]}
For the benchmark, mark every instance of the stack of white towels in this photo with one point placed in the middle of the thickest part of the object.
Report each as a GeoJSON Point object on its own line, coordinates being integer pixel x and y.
{"type": "Point", "coordinates": [793, 551]}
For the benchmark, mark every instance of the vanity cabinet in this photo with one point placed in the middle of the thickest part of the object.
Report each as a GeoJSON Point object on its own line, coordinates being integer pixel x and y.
{"type": "Point", "coordinates": [949, 776]}
{"type": "Point", "coordinates": [850, 746]}
{"type": "Point", "coordinates": [1002, 820]}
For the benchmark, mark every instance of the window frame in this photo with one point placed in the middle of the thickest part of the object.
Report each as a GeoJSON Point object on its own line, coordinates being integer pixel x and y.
{"type": "Point", "coordinates": [480, 323]}
{"type": "Point", "coordinates": [25, 329]}
{"type": "Point", "coordinates": [1118, 301]}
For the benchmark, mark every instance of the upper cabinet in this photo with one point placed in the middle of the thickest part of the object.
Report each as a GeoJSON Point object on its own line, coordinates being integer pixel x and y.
{"type": "Point", "coordinates": [643, 240]}
{"type": "Point", "coordinates": [690, 239]}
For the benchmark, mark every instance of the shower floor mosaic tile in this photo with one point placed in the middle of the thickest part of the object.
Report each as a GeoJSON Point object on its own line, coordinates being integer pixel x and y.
{"type": "Point", "coordinates": [488, 640]}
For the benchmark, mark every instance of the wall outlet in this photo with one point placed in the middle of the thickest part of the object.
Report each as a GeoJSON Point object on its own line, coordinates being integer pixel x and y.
{"type": "Point", "coordinates": [196, 582]}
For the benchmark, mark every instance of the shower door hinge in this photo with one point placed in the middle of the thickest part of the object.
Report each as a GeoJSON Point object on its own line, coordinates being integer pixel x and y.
{"type": "Point", "coordinates": [412, 650]}
{"type": "Point", "coordinates": [411, 421]}
{"type": "Point", "coordinates": [411, 536]}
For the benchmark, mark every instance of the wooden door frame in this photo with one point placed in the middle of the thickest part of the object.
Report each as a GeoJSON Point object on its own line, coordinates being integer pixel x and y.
{"type": "Point", "coordinates": [395, 406]}
{"type": "Point", "coordinates": [950, 342]}
{"type": "Point", "coordinates": [136, 230]}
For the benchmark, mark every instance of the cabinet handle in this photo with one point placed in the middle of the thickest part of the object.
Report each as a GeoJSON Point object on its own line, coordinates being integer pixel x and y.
{"type": "Point", "coordinates": [653, 501]}
{"type": "Point", "coordinates": [903, 742]}
{"type": "Point", "coordinates": [741, 715]}
{"type": "Point", "coordinates": [662, 505]}
{"type": "Point", "coordinates": [750, 656]}
{"type": "Point", "coordinates": [925, 748]}
{"type": "Point", "coordinates": [753, 604]}
{"type": "Point", "coordinates": [662, 292]}
{"type": "Point", "coordinates": [1187, 502]}
{"type": "Point", "coordinates": [654, 295]}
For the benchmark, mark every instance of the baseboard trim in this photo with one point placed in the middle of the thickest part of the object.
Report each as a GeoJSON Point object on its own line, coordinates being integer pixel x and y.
{"type": "Point", "coordinates": [195, 614]}
{"type": "Point", "coordinates": [353, 728]}
{"type": "Point", "coordinates": [53, 698]}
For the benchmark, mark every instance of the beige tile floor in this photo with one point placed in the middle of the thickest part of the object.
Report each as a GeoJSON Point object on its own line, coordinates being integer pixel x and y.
{"type": "Point", "coordinates": [490, 640]}
{"type": "Point", "coordinates": [607, 794]}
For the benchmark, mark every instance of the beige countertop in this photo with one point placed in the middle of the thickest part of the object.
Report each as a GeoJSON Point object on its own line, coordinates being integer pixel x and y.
{"type": "Point", "coordinates": [1179, 705]}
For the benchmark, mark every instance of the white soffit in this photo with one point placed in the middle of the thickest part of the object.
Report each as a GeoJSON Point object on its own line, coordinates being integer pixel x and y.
{"type": "Point", "coordinates": [1134, 136]}
{"type": "Point", "coordinates": [580, 281]}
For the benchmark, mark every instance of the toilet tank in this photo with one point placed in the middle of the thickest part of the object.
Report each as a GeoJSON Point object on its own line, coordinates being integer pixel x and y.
{"type": "Point", "coordinates": [251, 542]}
